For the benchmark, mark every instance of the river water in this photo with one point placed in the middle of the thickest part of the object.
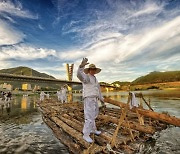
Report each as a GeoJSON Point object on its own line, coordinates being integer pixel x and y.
{"type": "Point", "coordinates": [22, 130]}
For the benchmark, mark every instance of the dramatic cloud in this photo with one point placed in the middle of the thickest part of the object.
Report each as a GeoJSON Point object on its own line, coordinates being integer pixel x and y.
{"type": "Point", "coordinates": [72, 55]}
{"type": "Point", "coordinates": [135, 50]}
{"type": "Point", "coordinates": [126, 39]}
{"type": "Point", "coordinates": [9, 35]}
{"type": "Point", "coordinates": [24, 52]}
{"type": "Point", "coordinates": [15, 9]}
{"type": "Point", "coordinates": [149, 8]}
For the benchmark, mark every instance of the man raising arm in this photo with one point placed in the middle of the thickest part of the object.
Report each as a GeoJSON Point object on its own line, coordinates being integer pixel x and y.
{"type": "Point", "coordinates": [91, 94]}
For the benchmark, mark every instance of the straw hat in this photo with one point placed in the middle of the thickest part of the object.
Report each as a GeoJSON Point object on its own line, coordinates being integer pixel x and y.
{"type": "Point", "coordinates": [92, 66]}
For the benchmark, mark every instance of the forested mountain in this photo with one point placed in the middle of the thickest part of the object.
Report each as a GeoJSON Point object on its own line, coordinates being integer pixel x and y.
{"type": "Point", "coordinates": [158, 77]}
{"type": "Point", "coordinates": [25, 71]}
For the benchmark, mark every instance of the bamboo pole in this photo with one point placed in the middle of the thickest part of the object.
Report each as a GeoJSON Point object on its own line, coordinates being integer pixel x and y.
{"type": "Point", "coordinates": [158, 116]}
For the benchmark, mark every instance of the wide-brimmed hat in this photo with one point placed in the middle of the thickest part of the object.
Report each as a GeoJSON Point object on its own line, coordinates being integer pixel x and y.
{"type": "Point", "coordinates": [92, 66]}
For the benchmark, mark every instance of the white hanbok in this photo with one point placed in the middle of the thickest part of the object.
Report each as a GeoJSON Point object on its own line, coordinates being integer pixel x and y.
{"type": "Point", "coordinates": [42, 94]}
{"type": "Point", "coordinates": [91, 94]}
{"type": "Point", "coordinates": [63, 95]}
{"type": "Point", "coordinates": [59, 95]}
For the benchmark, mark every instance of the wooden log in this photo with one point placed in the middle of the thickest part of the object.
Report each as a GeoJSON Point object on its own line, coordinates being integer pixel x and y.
{"type": "Point", "coordinates": [133, 125]}
{"type": "Point", "coordinates": [158, 116]}
{"type": "Point", "coordinates": [79, 127]}
{"type": "Point", "coordinates": [75, 134]}
{"type": "Point", "coordinates": [66, 140]}
{"type": "Point", "coordinates": [71, 118]}
{"type": "Point", "coordinates": [147, 103]}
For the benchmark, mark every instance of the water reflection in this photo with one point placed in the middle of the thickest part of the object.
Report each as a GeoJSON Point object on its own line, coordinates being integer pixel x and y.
{"type": "Point", "coordinates": [8, 108]}
{"type": "Point", "coordinates": [24, 103]}
{"type": "Point", "coordinates": [159, 101]}
{"type": "Point", "coordinates": [23, 131]}
{"type": "Point", "coordinates": [167, 141]}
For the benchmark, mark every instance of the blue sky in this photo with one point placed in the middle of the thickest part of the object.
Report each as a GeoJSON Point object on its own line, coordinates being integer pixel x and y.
{"type": "Point", "coordinates": [126, 38]}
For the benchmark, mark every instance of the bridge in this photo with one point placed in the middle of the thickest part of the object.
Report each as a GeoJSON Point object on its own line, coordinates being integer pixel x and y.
{"type": "Point", "coordinates": [32, 79]}
{"type": "Point", "coordinates": [24, 78]}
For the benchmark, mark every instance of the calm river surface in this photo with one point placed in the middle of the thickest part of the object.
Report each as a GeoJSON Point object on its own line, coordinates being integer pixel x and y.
{"type": "Point", "coordinates": [22, 130]}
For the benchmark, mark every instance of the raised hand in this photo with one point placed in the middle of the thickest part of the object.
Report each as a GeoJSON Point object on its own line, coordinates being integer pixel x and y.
{"type": "Point", "coordinates": [84, 62]}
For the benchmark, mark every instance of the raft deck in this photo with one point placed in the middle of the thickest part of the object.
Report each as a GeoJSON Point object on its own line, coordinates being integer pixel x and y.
{"type": "Point", "coordinates": [122, 128]}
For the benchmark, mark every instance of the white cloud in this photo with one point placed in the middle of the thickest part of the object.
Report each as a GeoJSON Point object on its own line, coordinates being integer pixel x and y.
{"type": "Point", "coordinates": [125, 41]}
{"type": "Point", "coordinates": [121, 18]}
{"type": "Point", "coordinates": [71, 55]}
{"type": "Point", "coordinates": [5, 64]}
{"type": "Point", "coordinates": [133, 50]}
{"type": "Point", "coordinates": [126, 46]}
{"type": "Point", "coordinates": [15, 9]}
{"type": "Point", "coordinates": [24, 52]}
{"type": "Point", "coordinates": [9, 35]}
{"type": "Point", "coordinates": [40, 27]}
{"type": "Point", "coordinates": [149, 8]}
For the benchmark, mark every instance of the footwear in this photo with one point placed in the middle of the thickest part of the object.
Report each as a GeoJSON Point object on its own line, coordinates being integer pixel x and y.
{"type": "Point", "coordinates": [87, 139]}
{"type": "Point", "coordinates": [97, 132]}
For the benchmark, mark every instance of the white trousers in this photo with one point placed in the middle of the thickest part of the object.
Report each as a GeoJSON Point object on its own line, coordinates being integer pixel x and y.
{"type": "Point", "coordinates": [41, 98]}
{"type": "Point", "coordinates": [63, 99]}
{"type": "Point", "coordinates": [59, 97]}
{"type": "Point", "coordinates": [91, 111]}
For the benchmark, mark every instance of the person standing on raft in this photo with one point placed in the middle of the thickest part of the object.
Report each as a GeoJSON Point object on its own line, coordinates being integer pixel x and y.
{"type": "Point", "coordinates": [91, 94]}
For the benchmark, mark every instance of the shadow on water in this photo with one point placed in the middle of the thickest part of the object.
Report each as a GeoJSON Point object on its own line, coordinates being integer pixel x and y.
{"type": "Point", "coordinates": [23, 131]}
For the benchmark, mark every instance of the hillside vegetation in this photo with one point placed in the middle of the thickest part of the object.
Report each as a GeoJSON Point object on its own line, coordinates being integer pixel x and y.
{"type": "Point", "coordinates": [28, 72]}
{"type": "Point", "coordinates": [158, 77]}
{"type": "Point", "coordinates": [25, 71]}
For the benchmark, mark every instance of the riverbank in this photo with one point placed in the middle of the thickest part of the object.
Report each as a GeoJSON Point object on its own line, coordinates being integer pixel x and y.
{"type": "Point", "coordinates": [160, 86]}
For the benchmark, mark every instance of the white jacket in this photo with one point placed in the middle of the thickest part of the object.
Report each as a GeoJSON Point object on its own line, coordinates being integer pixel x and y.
{"type": "Point", "coordinates": [91, 87]}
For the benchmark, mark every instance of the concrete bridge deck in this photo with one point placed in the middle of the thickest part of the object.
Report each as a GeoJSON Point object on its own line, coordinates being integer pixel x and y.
{"type": "Point", "coordinates": [22, 78]}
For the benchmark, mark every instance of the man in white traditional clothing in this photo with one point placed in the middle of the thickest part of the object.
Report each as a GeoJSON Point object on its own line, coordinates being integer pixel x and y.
{"type": "Point", "coordinates": [64, 94]}
{"type": "Point", "coordinates": [42, 94]}
{"type": "Point", "coordinates": [91, 94]}
{"type": "Point", "coordinates": [59, 95]}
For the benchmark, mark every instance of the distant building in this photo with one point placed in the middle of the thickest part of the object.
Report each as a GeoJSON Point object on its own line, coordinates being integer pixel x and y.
{"type": "Point", "coordinates": [36, 87]}
{"type": "Point", "coordinates": [26, 86]}
{"type": "Point", "coordinates": [6, 86]}
{"type": "Point", "coordinates": [117, 85]}
{"type": "Point", "coordinates": [9, 87]}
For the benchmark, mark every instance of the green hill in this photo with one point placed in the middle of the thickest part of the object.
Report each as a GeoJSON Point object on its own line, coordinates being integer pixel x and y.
{"type": "Point", "coordinates": [158, 77]}
{"type": "Point", "coordinates": [25, 71]}
{"type": "Point", "coordinates": [28, 72]}
{"type": "Point", "coordinates": [121, 83]}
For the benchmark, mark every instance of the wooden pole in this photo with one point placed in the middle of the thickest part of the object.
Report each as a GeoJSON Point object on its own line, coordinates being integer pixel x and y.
{"type": "Point", "coordinates": [75, 134]}
{"type": "Point", "coordinates": [158, 116]}
{"type": "Point", "coordinates": [133, 125]}
{"type": "Point", "coordinates": [72, 146]}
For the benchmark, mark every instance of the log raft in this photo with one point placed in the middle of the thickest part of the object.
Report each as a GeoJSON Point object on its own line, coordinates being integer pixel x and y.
{"type": "Point", "coordinates": [121, 127]}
